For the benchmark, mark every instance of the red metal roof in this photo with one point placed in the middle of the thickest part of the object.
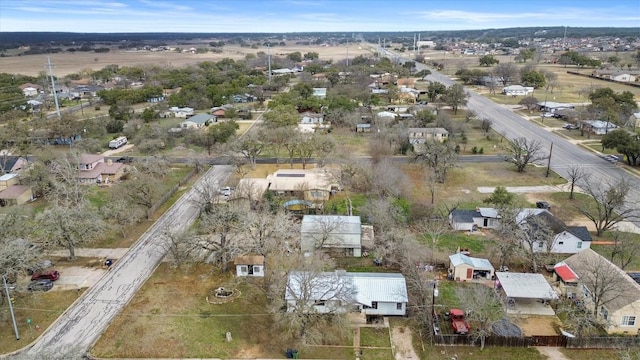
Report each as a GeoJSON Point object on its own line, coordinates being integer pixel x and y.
{"type": "Point", "coordinates": [565, 273]}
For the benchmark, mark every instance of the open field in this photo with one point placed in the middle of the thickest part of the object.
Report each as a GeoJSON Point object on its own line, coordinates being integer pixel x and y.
{"type": "Point", "coordinates": [67, 63]}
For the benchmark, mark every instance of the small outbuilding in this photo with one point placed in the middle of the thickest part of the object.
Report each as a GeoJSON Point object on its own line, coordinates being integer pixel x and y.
{"type": "Point", "coordinates": [466, 268]}
{"type": "Point", "coordinates": [526, 293]}
{"type": "Point", "coordinates": [249, 265]}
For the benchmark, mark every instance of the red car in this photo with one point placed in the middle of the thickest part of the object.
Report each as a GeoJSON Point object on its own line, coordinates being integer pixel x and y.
{"type": "Point", "coordinates": [52, 275]}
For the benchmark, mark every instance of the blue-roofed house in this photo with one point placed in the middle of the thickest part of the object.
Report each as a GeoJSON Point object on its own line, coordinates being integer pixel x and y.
{"type": "Point", "coordinates": [466, 268]}
{"type": "Point", "coordinates": [197, 121]}
{"type": "Point", "coordinates": [372, 294]}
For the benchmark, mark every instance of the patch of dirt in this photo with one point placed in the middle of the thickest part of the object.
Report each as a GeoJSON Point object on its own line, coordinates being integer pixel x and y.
{"type": "Point", "coordinates": [538, 325]}
{"type": "Point", "coordinates": [552, 353]}
{"type": "Point", "coordinates": [402, 341]}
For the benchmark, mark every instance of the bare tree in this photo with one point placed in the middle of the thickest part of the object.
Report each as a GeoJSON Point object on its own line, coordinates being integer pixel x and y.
{"type": "Point", "coordinates": [69, 227]}
{"type": "Point", "coordinates": [143, 190]}
{"type": "Point", "coordinates": [624, 249]}
{"type": "Point", "coordinates": [609, 206]}
{"type": "Point", "coordinates": [602, 281]}
{"type": "Point", "coordinates": [221, 228]}
{"type": "Point", "coordinates": [433, 229]}
{"type": "Point", "coordinates": [483, 308]}
{"type": "Point", "coordinates": [180, 247]}
{"type": "Point", "coordinates": [486, 125]}
{"type": "Point", "coordinates": [251, 146]}
{"type": "Point", "coordinates": [523, 151]}
{"type": "Point", "coordinates": [268, 232]}
{"type": "Point", "coordinates": [508, 242]}
{"type": "Point", "coordinates": [121, 212]}
{"type": "Point", "coordinates": [208, 190]}
{"type": "Point", "coordinates": [537, 237]}
{"type": "Point", "coordinates": [323, 231]}
{"type": "Point", "coordinates": [575, 175]}
{"type": "Point", "coordinates": [506, 72]}
{"type": "Point", "coordinates": [441, 157]}
{"type": "Point", "coordinates": [16, 252]}
{"type": "Point", "coordinates": [67, 190]}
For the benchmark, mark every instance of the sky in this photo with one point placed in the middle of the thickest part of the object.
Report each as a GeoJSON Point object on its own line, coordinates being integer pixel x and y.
{"type": "Point", "coordinates": [283, 16]}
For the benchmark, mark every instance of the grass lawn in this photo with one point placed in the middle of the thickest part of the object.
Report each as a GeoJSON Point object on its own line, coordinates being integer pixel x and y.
{"type": "Point", "coordinates": [170, 318]}
{"type": "Point", "coordinates": [476, 244]}
{"type": "Point", "coordinates": [375, 337]}
{"type": "Point", "coordinates": [43, 308]}
{"type": "Point", "coordinates": [581, 354]}
{"type": "Point", "coordinates": [474, 353]}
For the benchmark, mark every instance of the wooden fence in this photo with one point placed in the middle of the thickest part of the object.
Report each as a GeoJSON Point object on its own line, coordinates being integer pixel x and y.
{"type": "Point", "coordinates": [170, 193]}
{"type": "Point", "coordinates": [609, 342]}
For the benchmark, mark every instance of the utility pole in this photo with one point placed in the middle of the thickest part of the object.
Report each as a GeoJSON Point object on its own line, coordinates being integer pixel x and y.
{"type": "Point", "coordinates": [269, 62]}
{"type": "Point", "coordinates": [53, 88]}
{"type": "Point", "coordinates": [13, 315]}
{"type": "Point", "coordinates": [549, 161]}
{"type": "Point", "coordinates": [347, 53]}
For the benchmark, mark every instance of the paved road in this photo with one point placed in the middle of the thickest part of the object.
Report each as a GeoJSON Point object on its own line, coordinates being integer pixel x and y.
{"type": "Point", "coordinates": [564, 155]}
{"type": "Point", "coordinates": [71, 336]}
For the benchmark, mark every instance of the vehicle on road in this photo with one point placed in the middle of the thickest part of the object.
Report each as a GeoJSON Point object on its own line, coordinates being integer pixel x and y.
{"type": "Point", "coordinates": [225, 191]}
{"type": "Point", "coordinates": [459, 322]}
{"type": "Point", "coordinates": [52, 275]}
{"type": "Point", "coordinates": [611, 158]}
{"type": "Point", "coordinates": [40, 285]}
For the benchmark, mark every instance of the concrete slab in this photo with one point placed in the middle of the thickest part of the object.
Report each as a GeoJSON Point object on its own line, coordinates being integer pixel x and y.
{"type": "Point", "coordinates": [77, 277]}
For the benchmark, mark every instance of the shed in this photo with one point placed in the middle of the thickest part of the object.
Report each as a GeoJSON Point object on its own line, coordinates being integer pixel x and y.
{"type": "Point", "coordinates": [249, 265]}
{"type": "Point", "coordinates": [16, 195]}
{"type": "Point", "coordinates": [464, 268]}
{"type": "Point", "coordinates": [526, 293]}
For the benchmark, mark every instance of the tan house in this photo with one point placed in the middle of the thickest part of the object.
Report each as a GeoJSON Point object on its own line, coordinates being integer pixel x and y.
{"type": "Point", "coordinates": [467, 268]}
{"type": "Point", "coordinates": [92, 169]}
{"type": "Point", "coordinates": [314, 185]}
{"type": "Point", "coordinates": [617, 293]}
{"type": "Point", "coordinates": [419, 136]}
{"type": "Point", "coordinates": [15, 195]}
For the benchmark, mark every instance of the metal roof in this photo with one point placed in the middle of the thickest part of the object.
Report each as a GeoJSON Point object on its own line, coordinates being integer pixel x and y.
{"type": "Point", "coordinates": [334, 224]}
{"type": "Point", "coordinates": [525, 285]}
{"type": "Point", "coordinates": [565, 273]}
{"type": "Point", "coordinates": [476, 263]}
{"type": "Point", "coordinates": [367, 287]}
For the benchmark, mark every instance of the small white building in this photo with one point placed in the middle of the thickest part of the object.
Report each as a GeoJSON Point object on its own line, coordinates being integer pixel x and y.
{"type": "Point", "coordinates": [469, 220]}
{"type": "Point", "coordinates": [249, 265]}
{"type": "Point", "coordinates": [597, 127]}
{"type": "Point", "coordinates": [517, 90]}
{"type": "Point", "coordinates": [181, 112]}
{"type": "Point", "coordinates": [371, 294]}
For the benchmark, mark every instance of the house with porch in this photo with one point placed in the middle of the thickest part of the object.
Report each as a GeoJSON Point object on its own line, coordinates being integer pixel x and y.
{"type": "Point", "coordinates": [566, 239]}
{"type": "Point", "coordinates": [618, 294]}
{"type": "Point", "coordinates": [314, 185]}
{"type": "Point", "coordinates": [371, 294]}
{"type": "Point", "coordinates": [597, 127]}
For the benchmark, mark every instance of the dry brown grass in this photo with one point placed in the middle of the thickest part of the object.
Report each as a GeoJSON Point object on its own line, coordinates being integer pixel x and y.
{"type": "Point", "coordinates": [67, 63]}
{"type": "Point", "coordinates": [43, 308]}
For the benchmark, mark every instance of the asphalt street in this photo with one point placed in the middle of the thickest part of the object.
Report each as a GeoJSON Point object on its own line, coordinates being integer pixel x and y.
{"type": "Point", "coordinates": [72, 335]}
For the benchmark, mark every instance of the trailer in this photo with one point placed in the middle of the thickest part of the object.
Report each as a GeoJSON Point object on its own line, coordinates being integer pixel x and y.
{"type": "Point", "coordinates": [117, 142]}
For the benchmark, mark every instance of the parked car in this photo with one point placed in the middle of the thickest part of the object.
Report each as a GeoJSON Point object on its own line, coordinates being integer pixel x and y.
{"type": "Point", "coordinates": [569, 126]}
{"type": "Point", "coordinates": [543, 205]}
{"type": "Point", "coordinates": [547, 115]}
{"type": "Point", "coordinates": [52, 275]}
{"type": "Point", "coordinates": [40, 285]}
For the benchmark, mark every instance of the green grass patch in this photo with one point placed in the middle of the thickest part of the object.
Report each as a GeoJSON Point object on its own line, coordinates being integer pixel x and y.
{"type": "Point", "coordinates": [377, 337]}
{"type": "Point", "coordinates": [98, 196]}
{"type": "Point", "coordinates": [474, 353]}
{"type": "Point", "coordinates": [581, 354]}
{"type": "Point", "coordinates": [363, 264]}
{"type": "Point", "coordinates": [450, 242]}
{"type": "Point", "coordinates": [338, 203]}
{"type": "Point", "coordinates": [376, 354]}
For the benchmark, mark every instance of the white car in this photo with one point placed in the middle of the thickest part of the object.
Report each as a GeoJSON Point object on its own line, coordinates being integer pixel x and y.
{"type": "Point", "coordinates": [225, 191]}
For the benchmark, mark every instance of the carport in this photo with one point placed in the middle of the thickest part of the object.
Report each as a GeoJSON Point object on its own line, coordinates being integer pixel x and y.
{"type": "Point", "coordinates": [525, 294]}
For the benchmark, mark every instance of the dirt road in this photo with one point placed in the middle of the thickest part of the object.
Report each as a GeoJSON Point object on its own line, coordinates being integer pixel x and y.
{"type": "Point", "coordinates": [82, 324]}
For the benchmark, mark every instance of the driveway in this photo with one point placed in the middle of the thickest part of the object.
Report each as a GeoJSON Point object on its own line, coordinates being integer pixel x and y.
{"type": "Point", "coordinates": [71, 336]}
{"type": "Point", "coordinates": [552, 353]}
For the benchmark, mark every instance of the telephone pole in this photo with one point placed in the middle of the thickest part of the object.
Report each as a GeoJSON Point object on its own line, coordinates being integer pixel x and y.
{"type": "Point", "coordinates": [53, 88]}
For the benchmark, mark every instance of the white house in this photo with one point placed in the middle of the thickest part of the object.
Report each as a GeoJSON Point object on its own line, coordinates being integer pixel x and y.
{"type": "Point", "coordinates": [517, 90]}
{"type": "Point", "coordinates": [249, 265]}
{"type": "Point", "coordinates": [634, 120]}
{"type": "Point", "coordinates": [597, 127]}
{"type": "Point", "coordinates": [331, 232]}
{"type": "Point", "coordinates": [181, 112]}
{"type": "Point", "coordinates": [566, 239]}
{"type": "Point", "coordinates": [320, 93]}
{"type": "Point", "coordinates": [468, 220]}
{"type": "Point", "coordinates": [372, 294]}
{"type": "Point", "coordinates": [30, 91]}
